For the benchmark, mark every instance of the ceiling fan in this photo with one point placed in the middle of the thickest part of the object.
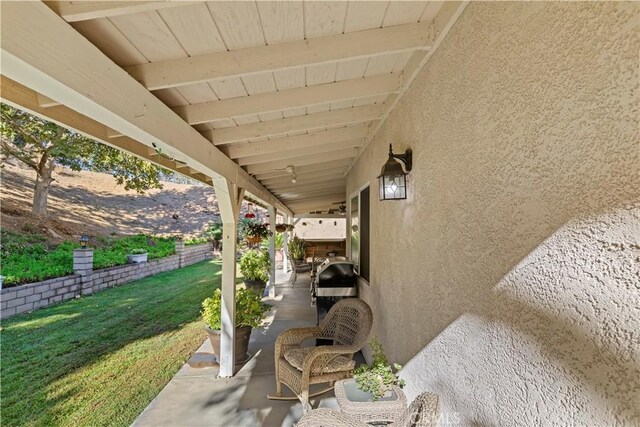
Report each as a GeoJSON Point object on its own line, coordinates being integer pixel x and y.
{"type": "Point", "coordinates": [340, 210]}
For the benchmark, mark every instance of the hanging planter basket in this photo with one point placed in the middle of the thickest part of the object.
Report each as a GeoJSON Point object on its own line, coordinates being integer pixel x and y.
{"type": "Point", "coordinates": [281, 228]}
{"type": "Point", "coordinates": [254, 240]}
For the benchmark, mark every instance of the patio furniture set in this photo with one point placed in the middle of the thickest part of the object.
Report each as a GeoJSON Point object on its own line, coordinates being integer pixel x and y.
{"type": "Point", "coordinates": [346, 328]}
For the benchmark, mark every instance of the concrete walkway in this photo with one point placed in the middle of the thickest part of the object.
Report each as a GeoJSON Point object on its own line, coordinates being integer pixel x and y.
{"type": "Point", "coordinates": [196, 397]}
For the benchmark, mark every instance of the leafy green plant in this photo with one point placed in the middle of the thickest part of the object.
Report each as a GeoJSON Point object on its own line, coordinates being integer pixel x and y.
{"type": "Point", "coordinates": [378, 377]}
{"type": "Point", "coordinates": [254, 265]}
{"type": "Point", "coordinates": [278, 239]}
{"type": "Point", "coordinates": [250, 310]}
{"type": "Point", "coordinates": [214, 231]}
{"type": "Point", "coordinates": [297, 248]}
{"type": "Point", "coordinates": [138, 251]}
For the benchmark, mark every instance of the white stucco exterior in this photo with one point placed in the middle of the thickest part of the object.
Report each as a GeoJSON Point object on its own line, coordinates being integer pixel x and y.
{"type": "Point", "coordinates": [509, 280]}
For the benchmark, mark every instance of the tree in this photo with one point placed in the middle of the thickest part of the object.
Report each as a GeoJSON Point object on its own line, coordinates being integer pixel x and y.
{"type": "Point", "coordinates": [42, 145]}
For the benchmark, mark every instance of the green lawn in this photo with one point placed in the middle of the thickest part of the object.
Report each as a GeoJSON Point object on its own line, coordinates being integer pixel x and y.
{"type": "Point", "coordinates": [100, 360]}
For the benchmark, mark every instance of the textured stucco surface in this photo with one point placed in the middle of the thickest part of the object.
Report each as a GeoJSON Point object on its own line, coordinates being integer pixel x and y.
{"type": "Point", "coordinates": [509, 281]}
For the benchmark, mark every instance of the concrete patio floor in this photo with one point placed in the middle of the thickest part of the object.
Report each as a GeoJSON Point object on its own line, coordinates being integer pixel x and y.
{"type": "Point", "coordinates": [196, 397]}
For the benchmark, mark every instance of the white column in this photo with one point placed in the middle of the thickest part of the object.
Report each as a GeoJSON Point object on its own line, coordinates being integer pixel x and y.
{"type": "Point", "coordinates": [272, 250]}
{"type": "Point", "coordinates": [229, 197]}
{"type": "Point", "coordinates": [285, 246]}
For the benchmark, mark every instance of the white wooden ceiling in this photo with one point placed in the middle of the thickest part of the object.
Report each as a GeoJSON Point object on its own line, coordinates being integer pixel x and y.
{"type": "Point", "coordinates": [272, 83]}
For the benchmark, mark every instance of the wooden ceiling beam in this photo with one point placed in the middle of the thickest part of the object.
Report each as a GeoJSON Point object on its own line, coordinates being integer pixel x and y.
{"type": "Point", "coordinates": [310, 122]}
{"type": "Point", "coordinates": [320, 150]}
{"type": "Point", "coordinates": [302, 161]}
{"type": "Point", "coordinates": [293, 196]}
{"type": "Point", "coordinates": [281, 56]}
{"type": "Point", "coordinates": [296, 142]}
{"type": "Point", "coordinates": [310, 169]}
{"type": "Point", "coordinates": [338, 182]}
{"type": "Point", "coordinates": [305, 178]}
{"type": "Point", "coordinates": [291, 98]}
{"type": "Point", "coordinates": [74, 11]}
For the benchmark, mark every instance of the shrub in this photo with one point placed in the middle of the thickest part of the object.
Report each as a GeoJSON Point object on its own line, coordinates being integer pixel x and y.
{"type": "Point", "coordinates": [250, 310]}
{"type": "Point", "coordinates": [195, 241]}
{"type": "Point", "coordinates": [254, 265]}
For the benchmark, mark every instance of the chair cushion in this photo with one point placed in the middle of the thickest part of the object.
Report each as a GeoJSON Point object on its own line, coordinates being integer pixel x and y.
{"type": "Point", "coordinates": [296, 356]}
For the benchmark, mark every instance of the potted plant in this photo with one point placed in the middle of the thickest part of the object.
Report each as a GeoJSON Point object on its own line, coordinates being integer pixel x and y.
{"type": "Point", "coordinates": [281, 228]}
{"type": "Point", "coordinates": [254, 266]}
{"type": "Point", "coordinates": [137, 255]}
{"type": "Point", "coordinates": [250, 313]}
{"type": "Point", "coordinates": [297, 248]}
{"type": "Point", "coordinates": [379, 378]}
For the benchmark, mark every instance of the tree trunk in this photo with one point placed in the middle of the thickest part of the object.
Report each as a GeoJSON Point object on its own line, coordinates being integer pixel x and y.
{"type": "Point", "coordinates": [43, 182]}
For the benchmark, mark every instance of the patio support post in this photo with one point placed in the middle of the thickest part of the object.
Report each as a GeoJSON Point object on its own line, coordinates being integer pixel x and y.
{"type": "Point", "coordinates": [272, 250]}
{"type": "Point", "coordinates": [285, 246]}
{"type": "Point", "coordinates": [229, 198]}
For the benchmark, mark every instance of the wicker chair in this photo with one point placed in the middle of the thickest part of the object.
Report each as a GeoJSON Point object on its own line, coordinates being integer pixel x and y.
{"type": "Point", "coordinates": [424, 411]}
{"type": "Point", "coordinates": [347, 324]}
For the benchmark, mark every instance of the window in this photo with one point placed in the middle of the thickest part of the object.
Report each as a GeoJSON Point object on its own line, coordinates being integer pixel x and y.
{"type": "Point", "coordinates": [360, 246]}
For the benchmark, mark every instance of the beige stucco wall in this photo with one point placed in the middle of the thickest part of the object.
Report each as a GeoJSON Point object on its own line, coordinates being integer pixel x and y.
{"type": "Point", "coordinates": [509, 281]}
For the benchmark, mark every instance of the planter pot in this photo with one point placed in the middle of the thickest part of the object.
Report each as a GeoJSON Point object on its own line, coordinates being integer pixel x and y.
{"type": "Point", "coordinates": [137, 258]}
{"type": "Point", "coordinates": [281, 228]}
{"type": "Point", "coordinates": [253, 240]}
{"type": "Point", "coordinates": [243, 333]}
{"type": "Point", "coordinates": [354, 394]}
{"type": "Point", "coordinates": [256, 285]}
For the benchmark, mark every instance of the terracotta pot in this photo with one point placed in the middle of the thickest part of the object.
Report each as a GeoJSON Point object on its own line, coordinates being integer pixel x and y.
{"type": "Point", "coordinates": [243, 333]}
{"type": "Point", "coordinates": [256, 285]}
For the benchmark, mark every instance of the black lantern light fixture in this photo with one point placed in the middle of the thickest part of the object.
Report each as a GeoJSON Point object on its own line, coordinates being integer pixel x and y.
{"type": "Point", "coordinates": [393, 177]}
{"type": "Point", "coordinates": [84, 239]}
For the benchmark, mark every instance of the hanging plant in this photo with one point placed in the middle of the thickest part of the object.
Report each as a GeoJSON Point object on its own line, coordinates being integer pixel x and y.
{"type": "Point", "coordinates": [254, 231]}
{"type": "Point", "coordinates": [281, 228]}
{"type": "Point", "coordinates": [290, 227]}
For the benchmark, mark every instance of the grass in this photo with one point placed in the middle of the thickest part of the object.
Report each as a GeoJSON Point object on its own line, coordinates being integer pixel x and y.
{"type": "Point", "coordinates": [26, 258]}
{"type": "Point", "coordinates": [100, 360]}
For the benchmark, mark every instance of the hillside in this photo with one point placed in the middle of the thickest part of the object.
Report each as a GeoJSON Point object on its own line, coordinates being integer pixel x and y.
{"type": "Point", "coordinates": [92, 203]}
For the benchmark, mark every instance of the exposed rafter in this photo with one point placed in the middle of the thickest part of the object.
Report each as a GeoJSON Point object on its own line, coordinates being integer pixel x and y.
{"type": "Point", "coordinates": [309, 122]}
{"type": "Point", "coordinates": [302, 161]}
{"type": "Point", "coordinates": [308, 177]}
{"type": "Point", "coordinates": [291, 98]}
{"type": "Point", "coordinates": [339, 182]}
{"type": "Point", "coordinates": [318, 150]}
{"type": "Point", "coordinates": [302, 170]}
{"type": "Point", "coordinates": [299, 53]}
{"type": "Point", "coordinates": [73, 11]}
{"type": "Point", "coordinates": [296, 142]}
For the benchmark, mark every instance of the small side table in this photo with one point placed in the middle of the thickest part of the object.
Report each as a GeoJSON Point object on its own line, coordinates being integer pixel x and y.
{"type": "Point", "coordinates": [357, 404]}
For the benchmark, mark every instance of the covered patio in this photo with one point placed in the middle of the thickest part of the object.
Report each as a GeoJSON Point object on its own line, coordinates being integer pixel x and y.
{"type": "Point", "coordinates": [503, 273]}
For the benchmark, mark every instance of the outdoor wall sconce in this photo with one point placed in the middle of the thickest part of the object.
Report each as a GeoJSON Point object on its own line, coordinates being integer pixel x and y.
{"type": "Point", "coordinates": [393, 177]}
{"type": "Point", "coordinates": [84, 239]}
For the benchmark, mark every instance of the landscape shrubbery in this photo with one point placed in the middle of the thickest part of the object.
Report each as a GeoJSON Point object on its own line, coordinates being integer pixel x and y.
{"type": "Point", "coordinates": [26, 258]}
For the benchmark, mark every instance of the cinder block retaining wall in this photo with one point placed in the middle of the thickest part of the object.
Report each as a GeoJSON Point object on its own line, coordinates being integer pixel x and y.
{"type": "Point", "coordinates": [41, 294]}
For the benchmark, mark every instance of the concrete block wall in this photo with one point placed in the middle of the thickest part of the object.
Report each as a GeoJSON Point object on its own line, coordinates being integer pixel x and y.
{"type": "Point", "coordinates": [32, 296]}
{"type": "Point", "coordinates": [40, 294]}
